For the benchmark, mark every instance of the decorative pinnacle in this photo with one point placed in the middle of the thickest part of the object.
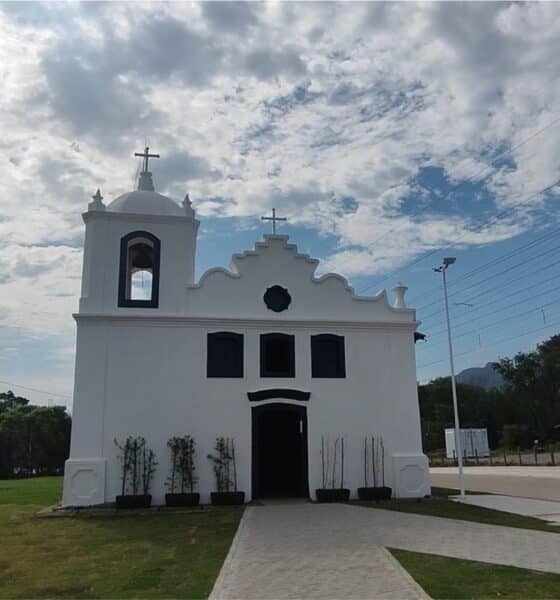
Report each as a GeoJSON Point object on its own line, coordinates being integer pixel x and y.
{"type": "Point", "coordinates": [189, 211]}
{"type": "Point", "coordinates": [97, 203]}
{"type": "Point", "coordinates": [400, 291]}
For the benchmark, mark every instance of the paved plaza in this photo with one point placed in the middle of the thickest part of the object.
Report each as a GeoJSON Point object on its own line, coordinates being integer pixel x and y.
{"type": "Point", "coordinates": [541, 509]}
{"type": "Point", "coordinates": [338, 550]}
{"type": "Point", "coordinates": [541, 483]}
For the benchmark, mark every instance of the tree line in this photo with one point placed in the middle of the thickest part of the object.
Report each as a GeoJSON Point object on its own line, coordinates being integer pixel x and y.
{"type": "Point", "coordinates": [525, 409]}
{"type": "Point", "coordinates": [33, 439]}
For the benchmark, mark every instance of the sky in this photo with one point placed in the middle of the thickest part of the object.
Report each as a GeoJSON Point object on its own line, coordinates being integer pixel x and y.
{"type": "Point", "coordinates": [389, 134]}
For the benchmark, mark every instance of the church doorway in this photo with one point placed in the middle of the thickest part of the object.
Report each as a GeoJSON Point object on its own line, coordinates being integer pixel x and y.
{"type": "Point", "coordinates": [279, 467]}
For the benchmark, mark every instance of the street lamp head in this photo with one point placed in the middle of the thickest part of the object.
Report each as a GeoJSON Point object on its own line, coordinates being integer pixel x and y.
{"type": "Point", "coordinates": [449, 260]}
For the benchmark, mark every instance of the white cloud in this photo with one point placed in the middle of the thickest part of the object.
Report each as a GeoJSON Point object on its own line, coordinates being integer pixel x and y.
{"type": "Point", "coordinates": [327, 110]}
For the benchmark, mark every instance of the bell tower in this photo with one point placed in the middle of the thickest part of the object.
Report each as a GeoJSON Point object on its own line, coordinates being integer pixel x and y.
{"type": "Point", "coordinates": [139, 251]}
{"type": "Point", "coordinates": [139, 256]}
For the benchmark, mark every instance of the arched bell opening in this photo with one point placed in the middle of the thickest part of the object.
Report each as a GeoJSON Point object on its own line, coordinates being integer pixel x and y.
{"type": "Point", "coordinates": [139, 270]}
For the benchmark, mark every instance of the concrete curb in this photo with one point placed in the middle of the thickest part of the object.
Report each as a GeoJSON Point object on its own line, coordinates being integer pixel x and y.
{"type": "Point", "coordinates": [218, 590]}
{"type": "Point", "coordinates": [419, 592]}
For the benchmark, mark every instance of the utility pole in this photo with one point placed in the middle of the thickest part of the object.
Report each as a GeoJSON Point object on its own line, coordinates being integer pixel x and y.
{"type": "Point", "coordinates": [458, 446]}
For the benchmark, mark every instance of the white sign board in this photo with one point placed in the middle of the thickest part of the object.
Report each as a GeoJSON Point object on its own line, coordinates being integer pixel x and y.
{"type": "Point", "coordinates": [474, 442]}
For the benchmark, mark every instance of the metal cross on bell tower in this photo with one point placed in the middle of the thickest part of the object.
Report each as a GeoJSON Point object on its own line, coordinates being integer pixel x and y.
{"type": "Point", "coordinates": [146, 155]}
{"type": "Point", "coordinates": [274, 218]}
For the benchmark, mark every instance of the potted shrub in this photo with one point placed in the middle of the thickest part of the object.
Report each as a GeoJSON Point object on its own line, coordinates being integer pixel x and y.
{"type": "Point", "coordinates": [330, 493]}
{"type": "Point", "coordinates": [182, 472]}
{"type": "Point", "coordinates": [376, 450]}
{"type": "Point", "coordinates": [225, 470]}
{"type": "Point", "coordinates": [138, 467]}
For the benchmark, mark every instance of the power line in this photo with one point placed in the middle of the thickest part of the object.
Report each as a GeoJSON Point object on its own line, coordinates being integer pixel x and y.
{"type": "Point", "coordinates": [502, 286]}
{"type": "Point", "coordinates": [435, 362]}
{"type": "Point", "coordinates": [30, 389]}
{"type": "Point", "coordinates": [493, 276]}
{"type": "Point", "coordinates": [500, 309]}
{"type": "Point", "coordinates": [517, 315]}
{"type": "Point", "coordinates": [492, 262]}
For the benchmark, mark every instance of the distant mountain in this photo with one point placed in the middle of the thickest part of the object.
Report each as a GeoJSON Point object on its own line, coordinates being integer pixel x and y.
{"type": "Point", "coordinates": [485, 377]}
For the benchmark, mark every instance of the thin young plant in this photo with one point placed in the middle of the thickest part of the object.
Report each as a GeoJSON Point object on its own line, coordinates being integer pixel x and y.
{"type": "Point", "coordinates": [334, 463]}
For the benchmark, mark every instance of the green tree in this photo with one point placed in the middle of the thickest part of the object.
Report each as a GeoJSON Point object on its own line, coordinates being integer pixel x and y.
{"type": "Point", "coordinates": [533, 378]}
{"type": "Point", "coordinates": [32, 438]}
{"type": "Point", "coordinates": [10, 400]}
{"type": "Point", "coordinates": [436, 410]}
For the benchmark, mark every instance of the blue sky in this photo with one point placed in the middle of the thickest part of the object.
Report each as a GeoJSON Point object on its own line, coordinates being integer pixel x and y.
{"type": "Point", "coordinates": [389, 134]}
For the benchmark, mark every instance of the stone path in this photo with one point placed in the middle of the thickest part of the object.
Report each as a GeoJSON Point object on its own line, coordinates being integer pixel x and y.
{"type": "Point", "coordinates": [338, 551]}
{"type": "Point", "coordinates": [542, 483]}
{"type": "Point", "coordinates": [306, 551]}
{"type": "Point", "coordinates": [541, 509]}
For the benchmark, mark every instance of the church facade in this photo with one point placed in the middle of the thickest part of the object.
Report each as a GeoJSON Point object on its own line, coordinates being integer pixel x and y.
{"type": "Point", "coordinates": [265, 352]}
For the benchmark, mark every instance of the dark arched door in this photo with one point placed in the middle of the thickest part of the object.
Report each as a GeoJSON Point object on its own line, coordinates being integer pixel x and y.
{"type": "Point", "coordinates": [279, 451]}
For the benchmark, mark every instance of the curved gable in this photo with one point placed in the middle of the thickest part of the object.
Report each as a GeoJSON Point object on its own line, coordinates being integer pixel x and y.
{"type": "Point", "coordinates": [239, 291]}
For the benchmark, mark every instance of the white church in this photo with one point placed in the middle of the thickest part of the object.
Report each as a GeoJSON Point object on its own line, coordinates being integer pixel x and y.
{"type": "Point", "coordinates": [265, 352]}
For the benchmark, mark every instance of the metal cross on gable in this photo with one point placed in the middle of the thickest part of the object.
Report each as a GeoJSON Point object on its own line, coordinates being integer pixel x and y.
{"type": "Point", "coordinates": [274, 218]}
{"type": "Point", "coordinates": [146, 155]}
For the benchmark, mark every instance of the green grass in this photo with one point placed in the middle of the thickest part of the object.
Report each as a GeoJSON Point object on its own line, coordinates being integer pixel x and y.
{"type": "Point", "coordinates": [440, 506]}
{"type": "Point", "coordinates": [42, 491]}
{"type": "Point", "coordinates": [444, 578]}
{"type": "Point", "coordinates": [163, 555]}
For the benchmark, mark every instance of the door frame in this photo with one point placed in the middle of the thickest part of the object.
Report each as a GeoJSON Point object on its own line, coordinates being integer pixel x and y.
{"type": "Point", "coordinates": [256, 412]}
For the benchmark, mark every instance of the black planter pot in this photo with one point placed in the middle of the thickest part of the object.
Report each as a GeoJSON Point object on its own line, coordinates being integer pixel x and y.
{"type": "Point", "coordinates": [332, 495]}
{"type": "Point", "coordinates": [190, 499]}
{"type": "Point", "coordinates": [387, 492]}
{"type": "Point", "coordinates": [134, 501]}
{"type": "Point", "coordinates": [374, 493]}
{"type": "Point", "coordinates": [227, 498]}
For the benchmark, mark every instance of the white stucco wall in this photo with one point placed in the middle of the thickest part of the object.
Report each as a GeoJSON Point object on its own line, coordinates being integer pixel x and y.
{"type": "Point", "coordinates": [143, 372]}
{"type": "Point", "coordinates": [100, 277]}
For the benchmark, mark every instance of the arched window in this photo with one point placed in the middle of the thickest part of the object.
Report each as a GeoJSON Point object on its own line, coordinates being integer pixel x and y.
{"type": "Point", "coordinates": [139, 270]}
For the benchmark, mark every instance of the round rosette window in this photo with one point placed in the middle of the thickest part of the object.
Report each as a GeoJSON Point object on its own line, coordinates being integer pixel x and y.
{"type": "Point", "coordinates": [277, 298]}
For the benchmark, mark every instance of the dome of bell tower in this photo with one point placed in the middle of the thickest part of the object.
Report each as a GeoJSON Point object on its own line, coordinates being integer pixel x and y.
{"type": "Point", "coordinates": [145, 203]}
{"type": "Point", "coordinates": [145, 200]}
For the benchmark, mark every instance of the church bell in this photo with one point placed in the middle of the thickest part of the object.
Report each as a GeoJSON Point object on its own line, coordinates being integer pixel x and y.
{"type": "Point", "coordinates": [142, 257]}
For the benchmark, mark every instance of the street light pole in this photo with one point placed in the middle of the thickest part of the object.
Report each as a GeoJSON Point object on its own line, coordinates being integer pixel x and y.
{"type": "Point", "coordinates": [458, 446]}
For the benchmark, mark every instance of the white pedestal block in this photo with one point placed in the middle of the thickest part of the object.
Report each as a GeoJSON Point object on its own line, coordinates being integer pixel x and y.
{"type": "Point", "coordinates": [411, 476]}
{"type": "Point", "coordinates": [84, 482]}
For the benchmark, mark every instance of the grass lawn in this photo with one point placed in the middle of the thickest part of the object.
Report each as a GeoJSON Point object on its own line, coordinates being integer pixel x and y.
{"type": "Point", "coordinates": [42, 491]}
{"type": "Point", "coordinates": [439, 505]}
{"type": "Point", "coordinates": [454, 578]}
{"type": "Point", "coordinates": [163, 555]}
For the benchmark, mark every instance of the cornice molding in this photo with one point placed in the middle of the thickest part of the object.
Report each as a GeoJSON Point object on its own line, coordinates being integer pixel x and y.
{"type": "Point", "coordinates": [136, 217]}
{"type": "Point", "coordinates": [232, 323]}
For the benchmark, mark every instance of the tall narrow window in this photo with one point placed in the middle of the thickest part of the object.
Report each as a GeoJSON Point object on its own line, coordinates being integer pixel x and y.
{"type": "Point", "coordinates": [327, 356]}
{"type": "Point", "coordinates": [139, 270]}
{"type": "Point", "coordinates": [225, 354]}
{"type": "Point", "coordinates": [277, 355]}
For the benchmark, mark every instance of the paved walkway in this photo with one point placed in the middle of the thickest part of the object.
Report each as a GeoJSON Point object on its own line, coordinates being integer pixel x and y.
{"type": "Point", "coordinates": [307, 551]}
{"type": "Point", "coordinates": [338, 550]}
{"type": "Point", "coordinates": [541, 509]}
{"type": "Point", "coordinates": [541, 483]}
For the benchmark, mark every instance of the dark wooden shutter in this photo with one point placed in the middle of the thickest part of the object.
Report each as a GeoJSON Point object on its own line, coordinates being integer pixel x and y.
{"type": "Point", "coordinates": [277, 355]}
{"type": "Point", "coordinates": [225, 354]}
{"type": "Point", "coordinates": [328, 356]}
